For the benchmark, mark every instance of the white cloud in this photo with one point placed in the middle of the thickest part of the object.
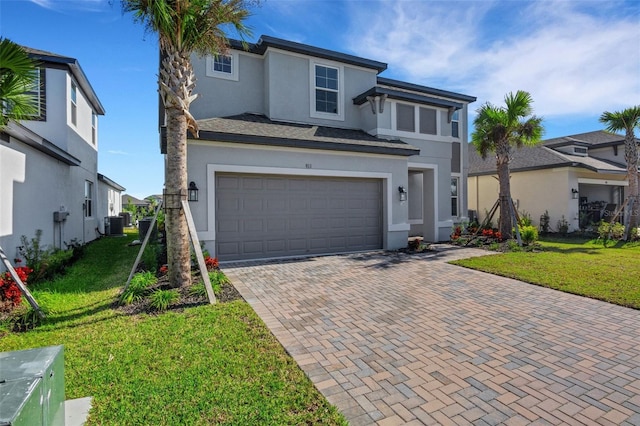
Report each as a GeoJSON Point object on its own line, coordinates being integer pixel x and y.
{"type": "Point", "coordinates": [117, 152]}
{"type": "Point", "coordinates": [70, 5]}
{"type": "Point", "coordinates": [574, 57]}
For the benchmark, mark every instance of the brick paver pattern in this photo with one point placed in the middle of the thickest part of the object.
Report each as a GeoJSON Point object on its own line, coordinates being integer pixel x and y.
{"type": "Point", "coordinates": [395, 339]}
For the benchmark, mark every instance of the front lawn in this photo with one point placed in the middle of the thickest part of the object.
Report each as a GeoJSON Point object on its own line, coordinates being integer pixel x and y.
{"type": "Point", "coordinates": [197, 366]}
{"type": "Point", "coordinates": [586, 268]}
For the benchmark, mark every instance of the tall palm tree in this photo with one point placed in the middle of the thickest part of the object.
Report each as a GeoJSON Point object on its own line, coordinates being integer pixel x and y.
{"type": "Point", "coordinates": [183, 27]}
{"type": "Point", "coordinates": [628, 120]}
{"type": "Point", "coordinates": [17, 77]}
{"type": "Point", "coordinates": [497, 130]}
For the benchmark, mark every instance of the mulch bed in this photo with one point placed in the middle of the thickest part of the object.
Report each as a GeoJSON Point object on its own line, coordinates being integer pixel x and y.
{"type": "Point", "coordinates": [228, 293]}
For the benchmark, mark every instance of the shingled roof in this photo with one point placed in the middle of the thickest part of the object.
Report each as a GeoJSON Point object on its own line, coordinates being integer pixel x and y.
{"type": "Point", "coordinates": [260, 130]}
{"type": "Point", "coordinates": [544, 156]}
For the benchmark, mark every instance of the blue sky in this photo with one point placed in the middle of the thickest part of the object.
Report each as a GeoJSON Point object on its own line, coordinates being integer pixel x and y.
{"type": "Point", "coordinates": [576, 58]}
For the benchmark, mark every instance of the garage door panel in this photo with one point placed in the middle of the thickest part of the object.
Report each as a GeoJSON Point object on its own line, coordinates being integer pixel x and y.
{"type": "Point", "coordinates": [261, 216]}
{"type": "Point", "coordinates": [252, 183]}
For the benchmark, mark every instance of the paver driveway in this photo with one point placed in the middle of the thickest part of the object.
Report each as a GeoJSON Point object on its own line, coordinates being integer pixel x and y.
{"type": "Point", "coordinates": [398, 339]}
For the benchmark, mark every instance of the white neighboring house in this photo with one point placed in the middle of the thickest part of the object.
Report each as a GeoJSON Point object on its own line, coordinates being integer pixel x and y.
{"type": "Point", "coordinates": [48, 164]}
{"type": "Point", "coordinates": [304, 150]}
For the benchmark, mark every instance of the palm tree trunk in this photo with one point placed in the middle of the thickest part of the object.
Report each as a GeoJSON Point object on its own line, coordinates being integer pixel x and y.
{"type": "Point", "coordinates": [631, 158]}
{"type": "Point", "coordinates": [502, 164]}
{"type": "Point", "coordinates": [178, 253]}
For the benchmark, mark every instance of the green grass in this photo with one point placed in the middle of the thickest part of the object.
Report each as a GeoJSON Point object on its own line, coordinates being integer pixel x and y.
{"type": "Point", "coordinates": [200, 366]}
{"type": "Point", "coordinates": [581, 267]}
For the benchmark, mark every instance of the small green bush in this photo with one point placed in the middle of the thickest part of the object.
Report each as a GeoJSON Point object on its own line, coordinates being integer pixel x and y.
{"type": "Point", "coordinates": [218, 277]}
{"type": "Point", "coordinates": [525, 218]}
{"type": "Point", "coordinates": [138, 287]}
{"type": "Point", "coordinates": [545, 226]}
{"type": "Point", "coordinates": [529, 234]}
{"type": "Point", "coordinates": [162, 299]}
{"type": "Point", "coordinates": [610, 231]}
{"type": "Point", "coordinates": [198, 290]}
{"type": "Point", "coordinates": [563, 226]}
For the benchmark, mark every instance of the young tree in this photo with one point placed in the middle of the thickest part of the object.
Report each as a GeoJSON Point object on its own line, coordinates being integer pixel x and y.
{"type": "Point", "coordinates": [497, 130]}
{"type": "Point", "coordinates": [183, 27]}
{"type": "Point", "coordinates": [17, 77]}
{"type": "Point", "coordinates": [627, 120]}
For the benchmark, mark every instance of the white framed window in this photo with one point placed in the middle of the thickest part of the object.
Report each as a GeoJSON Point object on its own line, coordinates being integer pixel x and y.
{"type": "Point", "coordinates": [455, 199]}
{"type": "Point", "coordinates": [37, 91]}
{"type": "Point", "coordinates": [327, 97]}
{"type": "Point", "coordinates": [223, 66]}
{"type": "Point", "coordinates": [88, 198]}
{"type": "Point", "coordinates": [405, 118]}
{"type": "Point", "coordinates": [455, 124]}
{"type": "Point", "coordinates": [428, 118]}
{"type": "Point", "coordinates": [94, 128]}
{"type": "Point", "coordinates": [74, 104]}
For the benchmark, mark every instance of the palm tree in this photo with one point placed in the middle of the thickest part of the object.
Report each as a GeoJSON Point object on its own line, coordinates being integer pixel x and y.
{"type": "Point", "coordinates": [183, 27]}
{"type": "Point", "coordinates": [17, 77]}
{"type": "Point", "coordinates": [498, 129]}
{"type": "Point", "coordinates": [628, 120]}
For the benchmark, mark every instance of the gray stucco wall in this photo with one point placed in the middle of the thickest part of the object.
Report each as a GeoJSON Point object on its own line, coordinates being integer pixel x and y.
{"type": "Point", "coordinates": [298, 161]}
{"type": "Point", "coordinates": [219, 97]}
{"type": "Point", "coordinates": [40, 186]}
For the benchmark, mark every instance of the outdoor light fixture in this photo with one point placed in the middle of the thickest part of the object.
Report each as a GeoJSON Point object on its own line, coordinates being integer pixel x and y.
{"type": "Point", "coordinates": [574, 193]}
{"type": "Point", "coordinates": [193, 191]}
{"type": "Point", "coordinates": [403, 193]}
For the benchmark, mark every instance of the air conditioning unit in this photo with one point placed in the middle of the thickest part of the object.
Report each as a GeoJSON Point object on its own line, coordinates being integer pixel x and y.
{"type": "Point", "coordinates": [32, 387]}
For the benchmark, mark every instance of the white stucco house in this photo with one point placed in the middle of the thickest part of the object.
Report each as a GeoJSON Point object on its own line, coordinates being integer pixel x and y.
{"type": "Point", "coordinates": [581, 177]}
{"type": "Point", "coordinates": [304, 150]}
{"type": "Point", "coordinates": [48, 164]}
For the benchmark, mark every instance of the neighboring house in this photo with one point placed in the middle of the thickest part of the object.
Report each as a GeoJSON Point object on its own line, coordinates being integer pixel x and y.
{"type": "Point", "coordinates": [48, 165]}
{"type": "Point", "coordinates": [304, 150]}
{"type": "Point", "coordinates": [581, 177]}
{"type": "Point", "coordinates": [135, 202]}
{"type": "Point", "coordinates": [110, 196]}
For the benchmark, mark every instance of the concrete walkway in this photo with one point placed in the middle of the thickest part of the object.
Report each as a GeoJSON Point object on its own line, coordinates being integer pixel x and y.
{"type": "Point", "coordinates": [398, 339]}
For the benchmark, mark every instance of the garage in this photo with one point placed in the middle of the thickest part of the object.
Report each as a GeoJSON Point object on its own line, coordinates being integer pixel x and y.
{"type": "Point", "coordinates": [266, 216]}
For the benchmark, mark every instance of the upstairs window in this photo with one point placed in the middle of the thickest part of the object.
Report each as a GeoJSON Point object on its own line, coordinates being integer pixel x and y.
{"type": "Point", "coordinates": [74, 104]}
{"type": "Point", "coordinates": [405, 118]}
{"type": "Point", "coordinates": [223, 66]}
{"type": "Point", "coordinates": [455, 124]}
{"type": "Point", "coordinates": [222, 63]}
{"type": "Point", "coordinates": [94, 125]}
{"type": "Point", "coordinates": [37, 92]}
{"type": "Point", "coordinates": [428, 118]}
{"type": "Point", "coordinates": [326, 89]}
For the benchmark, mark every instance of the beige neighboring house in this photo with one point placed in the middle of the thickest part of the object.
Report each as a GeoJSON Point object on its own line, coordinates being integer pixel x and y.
{"type": "Point", "coordinates": [581, 177]}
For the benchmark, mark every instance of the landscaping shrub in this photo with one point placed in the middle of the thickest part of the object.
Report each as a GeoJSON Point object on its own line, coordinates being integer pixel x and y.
{"type": "Point", "coordinates": [35, 256]}
{"type": "Point", "coordinates": [525, 218]}
{"type": "Point", "coordinates": [162, 299]}
{"type": "Point", "coordinates": [545, 226]}
{"type": "Point", "coordinates": [10, 295]}
{"type": "Point", "coordinates": [563, 226]}
{"type": "Point", "coordinates": [138, 287]}
{"type": "Point", "coordinates": [610, 231]}
{"type": "Point", "coordinates": [529, 234]}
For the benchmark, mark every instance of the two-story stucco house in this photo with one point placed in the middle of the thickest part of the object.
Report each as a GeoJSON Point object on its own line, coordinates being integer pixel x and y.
{"type": "Point", "coordinates": [304, 150]}
{"type": "Point", "coordinates": [48, 164]}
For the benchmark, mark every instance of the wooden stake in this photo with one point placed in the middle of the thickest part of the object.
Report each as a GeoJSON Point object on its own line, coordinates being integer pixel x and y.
{"type": "Point", "coordinates": [196, 248]}
{"type": "Point", "coordinates": [144, 244]}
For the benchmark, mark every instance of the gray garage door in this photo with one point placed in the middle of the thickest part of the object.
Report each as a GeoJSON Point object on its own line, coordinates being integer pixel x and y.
{"type": "Point", "coordinates": [260, 216]}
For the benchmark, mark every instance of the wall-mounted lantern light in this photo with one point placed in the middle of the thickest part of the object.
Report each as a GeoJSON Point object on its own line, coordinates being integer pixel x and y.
{"type": "Point", "coordinates": [193, 192]}
{"type": "Point", "coordinates": [574, 193]}
{"type": "Point", "coordinates": [403, 193]}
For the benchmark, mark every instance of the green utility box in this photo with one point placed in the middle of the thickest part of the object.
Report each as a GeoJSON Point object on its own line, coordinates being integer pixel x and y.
{"type": "Point", "coordinates": [32, 387]}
